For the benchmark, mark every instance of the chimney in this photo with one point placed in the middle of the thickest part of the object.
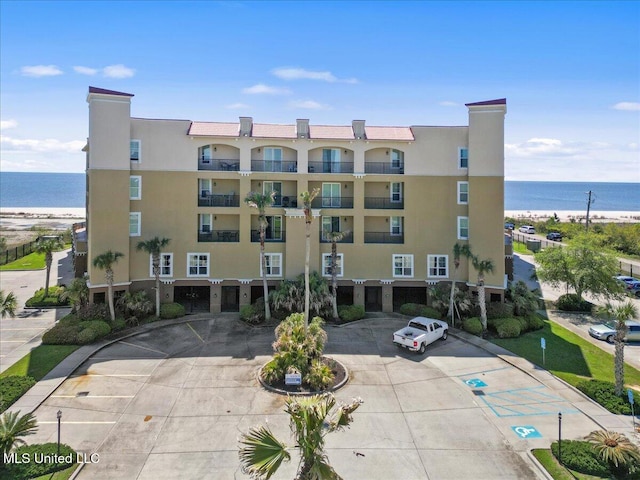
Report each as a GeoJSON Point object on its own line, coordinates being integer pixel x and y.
{"type": "Point", "coordinates": [246, 125]}
{"type": "Point", "coordinates": [302, 128]}
{"type": "Point", "coordinates": [358, 129]}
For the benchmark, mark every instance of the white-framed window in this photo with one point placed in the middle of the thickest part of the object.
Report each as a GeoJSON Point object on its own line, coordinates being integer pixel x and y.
{"type": "Point", "coordinates": [197, 264]}
{"type": "Point", "coordinates": [437, 266]}
{"type": "Point", "coordinates": [204, 222]}
{"type": "Point", "coordinates": [204, 187]}
{"type": "Point", "coordinates": [463, 228]}
{"type": "Point", "coordinates": [272, 159]}
{"type": "Point", "coordinates": [331, 194]}
{"type": "Point", "coordinates": [134, 150]}
{"type": "Point", "coordinates": [402, 266]}
{"type": "Point", "coordinates": [274, 264]}
{"type": "Point", "coordinates": [135, 219]}
{"type": "Point", "coordinates": [135, 187]}
{"type": "Point", "coordinates": [166, 265]}
{"type": "Point", "coordinates": [268, 187]}
{"type": "Point", "coordinates": [396, 192]}
{"type": "Point", "coordinates": [205, 154]}
{"type": "Point", "coordinates": [397, 159]}
{"type": "Point", "coordinates": [330, 224]}
{"type": "Point", "coordinates": [395, 226]}
{"type": "Point", "coordinates": [463, 157]}
{"type": "Point", "coordinates": [326, 265]}
{"type": "Point", "coordinates": [463, 193]}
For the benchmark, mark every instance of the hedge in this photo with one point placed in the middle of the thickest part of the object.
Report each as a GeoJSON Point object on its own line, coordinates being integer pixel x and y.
{"type": "Point", "coordinates": [51, 300]}
{"type": "Point", "coordinates": [32, 469]}
{"type": "Point", "coordinates": [419, 310]}
{"type": "Point", "coordinates": [509, 328]}
{"type": "Point", "coordinates": [580, 456]}
{"type": "Point", "coordinates": [605, 394]}
{"type": "Point", "coordinates": [472, 325]}
{"type": "Point", "coordinates": [570, 302]}
{"type": "Point", "coordinates": [12, 388]}
{"type": "Point", "coordinates": [72, 332]}
{"type": "Point", "coordinates": [350, 313]}
{"type": "Point", "coordinates": [171, 310]}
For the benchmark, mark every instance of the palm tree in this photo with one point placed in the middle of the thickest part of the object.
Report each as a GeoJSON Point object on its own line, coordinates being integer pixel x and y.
{"type": "Point", "coordinates": [261, 201]}
{"type": "Point", "coordinates": [13, 427]}
{"type": "Point", "coordinates": [47, 246]}
{"type": "Point", "coordinates": [615, 449]}
{"type": "Point", "coordinates": [105, 261]}
{"type": "Point", "coordinates": [307, 198]}
{"type": "Point", "coordinates": [8, 305]}
{"type": "Point", "coordinates": [619, 313]}
{"type": "Point", "coordinates": [482, 267]}
{"type": "Point", "coordinates": [458, 251]}
{"type": "Point", "coordinates": [334, 238]}
{"type": "Point", "coordinates": [154, 247]}
{"type": "Point", "coordinates": [77, 293]}
{"type": "Point", "coordinates": [311, 419]}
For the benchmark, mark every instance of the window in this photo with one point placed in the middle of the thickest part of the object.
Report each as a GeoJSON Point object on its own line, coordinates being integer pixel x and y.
{"type": "Point", "coordinates": [135, 187]}
{"type": "Point", "coordinates": [396, 226]}
{"type": "Point", "coordinates": [331, 195]}
{"type": "Point", "coordinates": [204, 187]}
{"type": "Point", "coordinates": [403, 265]}
{"type": "Point", "coordinates": [274, 264]}
{"type": "Point", "coordinates": [463, 157]}
{"type": "Point", "coordinates": [437, 266]}
{"type": "Point", "coordinates": [331, 160]}
{"type": "Point", "coordinates": [463, 228]}
{"type": "Point", "coordinates": [268, 187]}
{"type": "Point", "coordinates": [166, 265]}
{"type": "Point", "coordinates": [274, 227]}
{"type": "Point", "coordinates": [463, 193]}
{"type": "Point", "coordinates": [134, 224]}
{"type": "Point", "coordinates": [272, 159]}
{"type": "Point", "coordinates": [396, 192]}
{"type": "Point", "coordinates": [205, 154]}
{"type": "Point", "coordinates": [397, 159]}
{"type": "Point", "coordinates": [204, 221]}
{"type": "Point", "coordinates": [134, 150]}
{"type": "Point", "coordinates": [197, 264]}
{"type": "Point", "coordinates": [326, 265]}
{"type": "Point", "coordinates": [330, 224]}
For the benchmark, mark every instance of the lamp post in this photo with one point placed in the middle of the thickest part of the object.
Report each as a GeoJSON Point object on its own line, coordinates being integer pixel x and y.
{"type": "Point", "coordinates": [59, 415]}
{"type": "Point", "coordinates": [560, 437]}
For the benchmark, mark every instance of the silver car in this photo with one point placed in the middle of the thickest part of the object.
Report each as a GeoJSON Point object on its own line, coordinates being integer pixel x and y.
{"type": "Point", "coordinates": [607, 331]}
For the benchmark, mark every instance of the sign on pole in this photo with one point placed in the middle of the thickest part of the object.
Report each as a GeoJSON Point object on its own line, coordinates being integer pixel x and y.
{"type": "Point", "coordinates": [543, 344]}
{"type": "Point", "coordinates": [630, 395]}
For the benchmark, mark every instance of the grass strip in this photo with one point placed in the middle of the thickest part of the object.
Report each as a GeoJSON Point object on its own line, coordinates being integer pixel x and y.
{"type": "Point", "coordinates": [40, 361]}
{"type": "Point", "coordinates": [557, 471]}
{"type": "Point", "coordinates": [33, 261]}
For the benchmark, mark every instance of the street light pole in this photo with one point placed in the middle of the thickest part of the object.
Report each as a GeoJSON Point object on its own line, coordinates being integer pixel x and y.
{"type": "Point", "coordinates": [59, 415]}
{"type": "Point", "coordinates": [560, 437]}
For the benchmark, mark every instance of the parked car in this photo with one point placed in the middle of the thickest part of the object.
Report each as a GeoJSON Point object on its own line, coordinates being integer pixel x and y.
{"type": "Point", "coordinates": [607, 331]}
{"type": "Point", "coordinates": [554, 236]}
{"type": "Point", "coordinates": [509, 226]}
{"type": "Point", "coordinates": [625, 279]}
{"type": "Point", "coordinates": [634, 288]}
{"type": "Point", "coordinates": [419, 333]}
{"type": "Point", "coordinates": [527, 229]}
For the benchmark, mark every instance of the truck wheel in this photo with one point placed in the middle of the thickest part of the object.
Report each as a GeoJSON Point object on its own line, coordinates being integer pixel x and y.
{"type": "Point", "coordinates": [423, 348]}
{"type": "Point", "coordinates": [610, 339]}
{"type": "Point", "coordinates": [445, 334]}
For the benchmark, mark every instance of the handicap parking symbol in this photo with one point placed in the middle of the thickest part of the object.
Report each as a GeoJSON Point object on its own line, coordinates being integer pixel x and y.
{"type": "Point", "coordinates": [475, 383]}
{"type": "Point", "coordinates": [526, 431]}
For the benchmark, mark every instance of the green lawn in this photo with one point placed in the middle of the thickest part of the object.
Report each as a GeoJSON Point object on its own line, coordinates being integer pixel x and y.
{"type": "Point", "coordinates": [61, 475]}
{"type": "Point", "coordinates": [40, 361]}
{"type": "Point", "coordinates": [33, 261]}
{"type": "Point", "coordinates": [519, 247]}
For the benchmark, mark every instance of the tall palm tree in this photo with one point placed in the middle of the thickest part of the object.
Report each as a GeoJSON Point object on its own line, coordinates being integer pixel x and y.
{"type": "Point", "coordinates": [260, 201]}
{"type": "Point", "coordinates": [47, 246]}
{"type": "Point", "coordinates": [8, 304]}
{"type": "Point", "coordinates": [311, 419]}
{"type": "Point", "coordinates": [482, 267]}
{"type": "Point", "coordinates": [620, 313]}
{"type": "Point", "coordinates": [154, 247]}
{"type": "Point", "coordinates": [105, 261]}
{"type": "Point", "coordinates": [13, 427]}
{"type": "Point", "coordinates": [458, 251]}
{"type": "Point", "coordinates": [307, 198]}
{"type": "Point", "coordinates": [334, 238]}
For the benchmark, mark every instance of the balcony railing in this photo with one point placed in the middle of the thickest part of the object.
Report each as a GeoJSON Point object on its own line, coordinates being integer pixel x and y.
{"type": "Point", "coordinates": [346, 238]}
{"type": "Point", "coordinates": [383, 202]}
{"type": "Point", "coordinates": [383, 167]}
{"type": "Point", "coordinates": [218, 165]}
{"type": "Point", "coordinates": [219, 200]}
{"type": "Point", "coordinates": [274, 166]}
{"type": "Point", "coordinates": [383, 237]}
{"type": "Point", "coordinates": [330, 167]}
{"type": "Point", "coordinates": [219, 236]}
{"type": "Point", "coordinates": [332, 202]}
{"type": "Point", "coordinates": [270, 237]}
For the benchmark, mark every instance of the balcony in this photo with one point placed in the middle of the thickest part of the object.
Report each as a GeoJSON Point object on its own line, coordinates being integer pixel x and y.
{"type": "Point", "coordinates": [384, 168]}
{"type": "Point", "coordinates": [224, 236]}
{"type": "Point", "coordinates": [383, 237]}
{"type": "Point", "coordinates": [269, 237]}
{"type": "Point", "coordinates": [219, 200]}
{"type": "Point", "coordinates": [330, 167]}
{"type": "Point", "coordinates": [383, 203]}
{"type": "Point", "coordinates": [332, 202]}
{"type": "Point", "coordinates": [274, 166]}
{"type": "Point", "coordinates": [346, 238]}
{"type": "Point", "coordinates": [219, 165]}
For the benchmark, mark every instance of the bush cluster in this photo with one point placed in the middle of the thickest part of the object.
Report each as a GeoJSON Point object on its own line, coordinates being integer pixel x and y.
{"type": "Point", "coordinates": [252, 314]}
{"type": "Point", "coordinates": [72, 331]}
{"type": "Point", "coordinates": [31, 469]}
{"type": "Point", "coordinates": [499, 310]}
{"type": "Point", "coordinates": [94, 311]}
{"type": "Point", "coordinates": [171, 310]}
{"type": "Point", "coordinates": [605, 394]}
{"type": "Point", "coordinates": [53, 299]}
{"type": "Point", "coordinates": [580, 456]}
{"type": "Point", "coordinates": [419, 310]}
{"type": "Point", "coordinates": [472, 325]}
{"type": "Point", "coordinates": [350, 313]}
{"type": "Point", "coordinates": [570, 302]}
{"type": "Point", "coordinates": [12, 388]}
{"type": "Point", "coordinates": [507, 327]}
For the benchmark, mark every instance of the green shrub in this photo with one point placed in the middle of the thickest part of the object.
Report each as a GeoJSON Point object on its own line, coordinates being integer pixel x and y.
{"type": "Point", "coordinates": [524, 325]}
{"type": "Point", "coordinates": [472, 325]}
{"type": "Point", "coordinates": [419, 310]}
{"type": "Point", "coordinates": [509, 328]}
{"type": "Point", "coordinates": [102, 328]}
{"type": "Point", "coordinates": [580, 456]}
{"type": "Point", "coordinates": [171, 310]}
{"type": "Point", "coordinates": [349, 313]}
{"type": "Point", "coordinates": [61, 334]}
{"type": "Point", "coordinates": [319, 376]}
{"type": "Point", "coordinates": [605, 394]}
{"type": "Point", "coordinates": [499, 310]}
{"type": "Point", "coordinates": [570, 302]}
{"type": "Point", "coordinates": [72, 332]}
{"type": "Point", "coordinates": [534, 322]}
{"type": "Point", "coordinates": [53, 299]}
{"type": "Point", "coordinates": [12, 388]}
{"type": "Point", "coordinates": [94, 311]}
{"type": "Point", "coordinates": [119, 324]}
{"type": "Point", "coordinates": [252, 314]}
{"type": "Point", "coordinates": [30, 468]}
{"type": "Point", "coordinates": [70, 319]}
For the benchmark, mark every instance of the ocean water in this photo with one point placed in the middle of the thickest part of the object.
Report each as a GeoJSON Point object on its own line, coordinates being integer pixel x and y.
{"type": "Point", "coordinates": [67, 190]}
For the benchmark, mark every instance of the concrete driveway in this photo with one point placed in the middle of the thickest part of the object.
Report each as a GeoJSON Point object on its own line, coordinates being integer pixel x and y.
{"type": "Point", "coordinates": [170, 404]}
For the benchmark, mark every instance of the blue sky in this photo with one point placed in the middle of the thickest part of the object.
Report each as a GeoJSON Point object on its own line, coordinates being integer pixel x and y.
{"type": "Point", "coordinates": [570, 72]}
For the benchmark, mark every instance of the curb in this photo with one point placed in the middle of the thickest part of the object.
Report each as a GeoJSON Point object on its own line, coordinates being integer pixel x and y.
{"type": "Point", "coordinates": [279, 391]}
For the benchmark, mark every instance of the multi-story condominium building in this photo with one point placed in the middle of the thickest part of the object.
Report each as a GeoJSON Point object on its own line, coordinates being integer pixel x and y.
{"type": "Point", "coordinates": [404, 195]}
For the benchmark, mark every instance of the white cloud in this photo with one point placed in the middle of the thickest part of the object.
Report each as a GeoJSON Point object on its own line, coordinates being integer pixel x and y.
{"type": "Point", "coordinates": [540, 146]}
{"type": "Point", "coordinates": [292, 73]}
{"type": "Point", "coordinates": [5, 124]}
{"type": "Point", "coordinates": [632, 106]}
{"type": "Point", "coordinates": [40, 71]}
{"type": "Point", "coordinates": [48, 145]}
{"type": "Point", "coordinates": [237, 106]}
{"type": "Point", "coordinates": [85, 70]}
{"type": "Point", "coordinates": [261, 88]}
{"type": "Point", "coordinates": [447, 103]}
{"type": "Point", "coordinates": [308, 105]}
{"type": "Point", "coordinates": [118, 71]}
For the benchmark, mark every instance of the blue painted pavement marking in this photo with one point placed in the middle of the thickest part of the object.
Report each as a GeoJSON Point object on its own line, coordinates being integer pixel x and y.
{"type": "Point", "coordinates": [526, 431]}
{"type": "Point", "coordinates": [526, 402]}
{"type": "Point", "coordinates": [475, 383]}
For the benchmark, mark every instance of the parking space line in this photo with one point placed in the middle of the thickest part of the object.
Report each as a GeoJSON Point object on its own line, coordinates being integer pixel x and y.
{"type": "Point", "coordinates": [534, 401]}
{"type": "Point", "coordinates": [76, 423]}
{"type": "Point", "coordinates": [143, 348]}
{"type": "Point", "coordinates": [483, 371]}
{"type": "Point", "coordinates": [112, 375]}
{"type": "Point", "coordinates": [196, 333]}
{"type": "Point", "coordinates": [92, 396]}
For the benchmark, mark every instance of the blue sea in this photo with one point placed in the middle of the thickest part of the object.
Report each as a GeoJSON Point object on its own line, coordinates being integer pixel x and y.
{"type": "Point", "coordinates": [67, 190]}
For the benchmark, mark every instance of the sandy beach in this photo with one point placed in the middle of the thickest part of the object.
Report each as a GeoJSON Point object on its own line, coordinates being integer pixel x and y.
{"type": "Point", "coordinates": [601, 216]}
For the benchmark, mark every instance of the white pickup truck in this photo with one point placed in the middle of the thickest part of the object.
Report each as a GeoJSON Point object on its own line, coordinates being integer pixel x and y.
{"type": "Point", "coordinates": [419, 333]}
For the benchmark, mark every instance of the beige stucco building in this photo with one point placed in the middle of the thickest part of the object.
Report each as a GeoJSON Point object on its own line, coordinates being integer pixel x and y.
{"type": "Point", "coordinates": [405, 195]}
